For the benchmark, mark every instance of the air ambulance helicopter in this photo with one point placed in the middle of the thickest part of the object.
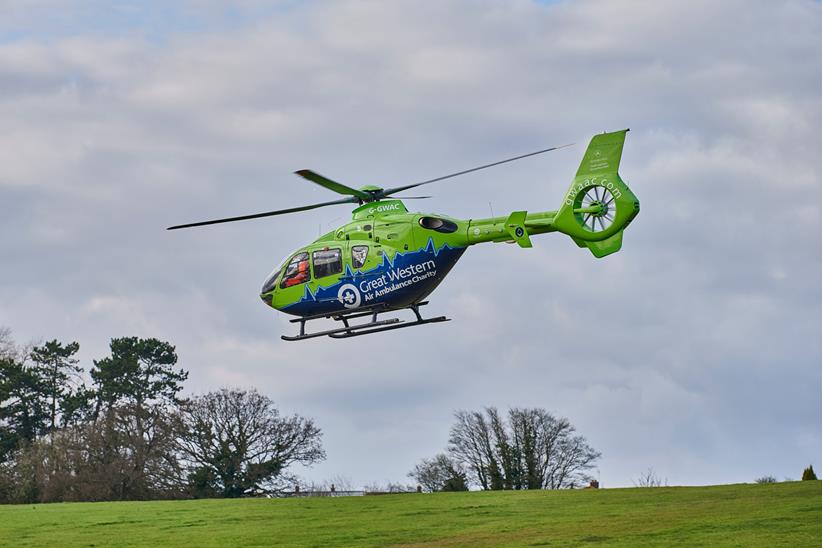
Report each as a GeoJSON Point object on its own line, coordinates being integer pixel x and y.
{"type": "Point", "coordinates": [388, 259]}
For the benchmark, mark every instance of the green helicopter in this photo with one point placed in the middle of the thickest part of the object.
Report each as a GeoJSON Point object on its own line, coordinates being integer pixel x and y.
{"type": "Point", "coordinates": [387, 258]}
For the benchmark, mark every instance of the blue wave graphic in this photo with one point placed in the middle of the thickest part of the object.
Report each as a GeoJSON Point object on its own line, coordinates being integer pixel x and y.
{"type": "Point", "coordinates": [397, 281]}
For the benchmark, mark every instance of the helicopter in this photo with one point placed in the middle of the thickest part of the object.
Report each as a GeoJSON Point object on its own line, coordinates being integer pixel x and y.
{"type": "Point", "coordinates": [388, 259]}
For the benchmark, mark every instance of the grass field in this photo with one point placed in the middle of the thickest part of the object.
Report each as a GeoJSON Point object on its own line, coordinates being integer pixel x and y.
{"type": "Point", "coordinates": [731, 515]}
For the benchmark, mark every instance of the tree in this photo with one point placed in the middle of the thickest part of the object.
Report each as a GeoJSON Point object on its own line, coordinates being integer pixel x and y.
{"type": "Point", "coordinates": [440, 473]}
{"type": "Point", "coordinates": [89, 462]}
{"type": "Point", "coordinates": [136, 399]}
{"type": "Point", "coordinates": [471, 445]}
{"type": "Point", "coordinates": [234, 441]}
{"type": "Point", "coordinates": [37, 384]}
{"type": "Point", "coordinates": [77, 406]}
{"type": "Point", "coordinates": [7, 346]}
{"type": "Point", "coordinates": [650, 479]}
{"type": "Point", "coordinates": [377, 488]}
{"type": "Point", "coordinates": [530, 450]}
{"type": "Point", "coordinates": [765, 479]}
{"type": "Point", "coordinates": [58, 372]}
{"type": "Point", "coordinates": [337, 483]}
{"type": "Point", "coordinates": [23, 409]}
{"type": "Point", "coordinates": [139, 371]}
{"type": "Point", "coordinates": [808, 473]}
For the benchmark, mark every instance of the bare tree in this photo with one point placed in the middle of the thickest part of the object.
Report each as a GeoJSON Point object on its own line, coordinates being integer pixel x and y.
{"type": "Point", "coordinates": [235, 441]}
{"type": "Point", "coordinates": [377, 488]}
{"type": "Point", "coordinates": [336, 483]}
{"type": "Point", "coordinates": [649, 478]}
{"type": "Point", "coordinates": [532, 449]}
{"type": "Point", "coordinates": [94, 461]}
{"type": "Point", "coordinates": [7, 346]}
{"type": "Point", "coordinates": [470, 443]}
{"type": "Point", "coordinates": [339, 483]}
{"type": "Point", "coordinates": [440, 473]}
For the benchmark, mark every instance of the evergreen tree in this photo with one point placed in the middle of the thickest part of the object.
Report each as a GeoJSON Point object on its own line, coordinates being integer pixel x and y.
{"type": "Point", "coordinates": [139, 372]}
{"type": "Point", "coordinates": [23, 408]}
{"type": "Point", "coordinates": [57, 369]}
{"type": "Point", "coordinates": [136, 393]}
{"type": "Point", "coordinates": [808, 473]}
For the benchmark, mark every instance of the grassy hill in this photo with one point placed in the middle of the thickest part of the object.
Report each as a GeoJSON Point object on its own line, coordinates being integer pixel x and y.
{"type": "Point", "coordinates": [733, 515]}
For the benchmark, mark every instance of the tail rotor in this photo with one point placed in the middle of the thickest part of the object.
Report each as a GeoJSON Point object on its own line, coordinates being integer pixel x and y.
{"type": "Point", "coordinates": [599, 205]}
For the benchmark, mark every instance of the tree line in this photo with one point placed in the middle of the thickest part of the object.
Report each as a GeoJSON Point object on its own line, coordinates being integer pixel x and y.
{"type": "Point", "coordinates": [129, 434]}
{"type": "Point", "coordinates": [123, 431]}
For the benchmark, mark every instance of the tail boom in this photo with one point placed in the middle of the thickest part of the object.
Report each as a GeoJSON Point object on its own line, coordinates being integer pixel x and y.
{"type": "Point", "coordinates": [597, 207]}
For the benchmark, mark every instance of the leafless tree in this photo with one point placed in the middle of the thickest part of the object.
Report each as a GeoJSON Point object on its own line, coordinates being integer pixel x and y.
{"type": "Point", "coordinates": [338, 482]}
{"type": "Point", "coordinates": [95, 461]}
{"type": "Point", "coordinates": [235, 441]}
{"type": "Point", "coordinates": [389, 487]}
{"type": "Point", "coordinates": [532, 449]}
{"type": "Point", "coordinates": [11, 349]}
{"type": "Point", "coordinates": [7, 346]}
{"type": "Point", "coordinates": [649, 478]}
{"type": "Point", "coordinates": [440, 473]}
{"type": "Point", "coordinates": [470, 443]}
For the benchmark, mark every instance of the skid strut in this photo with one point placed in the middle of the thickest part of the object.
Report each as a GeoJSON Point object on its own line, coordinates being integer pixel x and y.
{"type": "Point", "coordinates": [375, 325]}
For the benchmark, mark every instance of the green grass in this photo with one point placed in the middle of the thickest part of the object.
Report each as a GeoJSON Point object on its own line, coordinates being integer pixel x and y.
{"type": "Point", "coordinates": [730, 515]}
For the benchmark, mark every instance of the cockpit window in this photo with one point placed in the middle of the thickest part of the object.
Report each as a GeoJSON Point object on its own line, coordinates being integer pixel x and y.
{"type": "Point", "coordinates": [271, 281]}
{"type": "Point", "coordinates": [359, 253]}
{"type": "Point", "coordinates": [327, 262]}
{"type": "Point", "coordinates": [297, 271]}
{"type": "Point", "coordinates": [440, 225]}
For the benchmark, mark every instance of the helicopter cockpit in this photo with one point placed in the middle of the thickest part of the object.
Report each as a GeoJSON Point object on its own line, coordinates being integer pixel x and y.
{"type": "Point", "coordinates": [297, 272]}
{"type": "Point", "coordinates": [327, 261]}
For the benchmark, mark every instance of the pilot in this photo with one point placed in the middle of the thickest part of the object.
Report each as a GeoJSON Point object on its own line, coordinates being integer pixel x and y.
{"type": "Point", "coordinates": [301, 276]}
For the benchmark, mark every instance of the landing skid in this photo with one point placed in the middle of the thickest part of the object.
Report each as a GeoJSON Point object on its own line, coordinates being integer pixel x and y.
{"type": "Point", "coordinates": [373, 326]}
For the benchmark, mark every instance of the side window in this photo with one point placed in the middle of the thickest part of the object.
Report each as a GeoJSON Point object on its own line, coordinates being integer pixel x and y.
{"type": "Point", "coordinates": [297, 271]}
{"type": "Point", "coordinates": [327, 262]}
{"type": "Point", "coordinates": [359, 253]}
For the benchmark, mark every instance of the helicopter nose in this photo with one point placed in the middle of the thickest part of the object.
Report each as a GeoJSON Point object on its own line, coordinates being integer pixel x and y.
{"type": "Point", "coordinates": [268, 298]}
{"type": "Point", "coordinates": [269, 288]}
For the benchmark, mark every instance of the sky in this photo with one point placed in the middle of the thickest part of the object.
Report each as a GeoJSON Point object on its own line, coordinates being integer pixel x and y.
{"type": "Point", "coordinates": [696, 350]}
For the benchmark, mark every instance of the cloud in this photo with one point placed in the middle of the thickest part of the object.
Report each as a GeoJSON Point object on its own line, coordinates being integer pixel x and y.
{"type": "Point", "coordinates": [694, 350]}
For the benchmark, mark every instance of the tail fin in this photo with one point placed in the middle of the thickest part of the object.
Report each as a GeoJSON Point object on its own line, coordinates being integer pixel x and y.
{"type": "Point", "coordinates": [598, 205]}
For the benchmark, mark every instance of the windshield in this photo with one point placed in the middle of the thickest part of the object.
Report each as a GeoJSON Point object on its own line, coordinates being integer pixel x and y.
{"type": "Point", "coordinates": [272, 278]}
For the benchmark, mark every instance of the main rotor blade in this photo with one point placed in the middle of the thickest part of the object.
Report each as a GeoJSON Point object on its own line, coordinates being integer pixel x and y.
{"type": "Point", "coordinates": [266, 214]}
{"type": "Point", "coordinates": [339, 188]}
{"type": "Point", "coordinates": [406, 187]}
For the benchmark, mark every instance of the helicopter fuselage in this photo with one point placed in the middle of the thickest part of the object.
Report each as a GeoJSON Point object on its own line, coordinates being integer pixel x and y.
{"type": "Point", "coordinates": [385, 256]}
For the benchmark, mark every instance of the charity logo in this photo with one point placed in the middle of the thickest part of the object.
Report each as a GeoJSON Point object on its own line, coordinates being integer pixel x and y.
{"type": "Point", "coordinates": [349, 296]}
